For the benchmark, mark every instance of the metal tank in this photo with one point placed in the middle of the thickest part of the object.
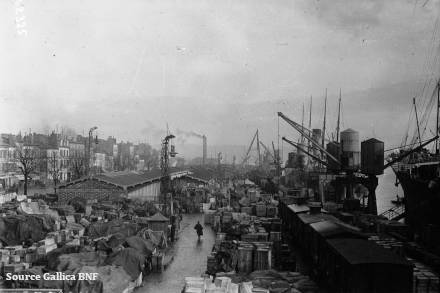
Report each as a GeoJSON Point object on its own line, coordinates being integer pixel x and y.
{"type": "Point", "coordinates": [334, 148]}
{"type": "Point", "coordinates": [350, 155]}
{"type": "Point", "coordinates": [302, 158]}
{"type": "Point", "coordinates": [317, 136]}
{"type": "Point", "coordinates": [372, 156]}
{"type": "Point", "coordinates": [291, 160]}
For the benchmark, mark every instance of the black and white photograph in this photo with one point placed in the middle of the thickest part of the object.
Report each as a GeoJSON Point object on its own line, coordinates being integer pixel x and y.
{"type": "Point", "coordinates": [220, 146]}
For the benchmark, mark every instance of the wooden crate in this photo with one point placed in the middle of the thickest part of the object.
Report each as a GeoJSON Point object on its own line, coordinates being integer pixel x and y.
{"type": "Point", "coordinates": [260, 210]}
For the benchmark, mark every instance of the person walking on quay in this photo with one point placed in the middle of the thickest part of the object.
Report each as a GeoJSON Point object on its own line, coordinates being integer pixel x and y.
{"type": "Point", "coordinates": [199, 229]}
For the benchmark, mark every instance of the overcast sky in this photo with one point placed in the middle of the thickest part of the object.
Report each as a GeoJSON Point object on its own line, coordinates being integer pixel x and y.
{"type": "Point", "coordinates": [220, 68]}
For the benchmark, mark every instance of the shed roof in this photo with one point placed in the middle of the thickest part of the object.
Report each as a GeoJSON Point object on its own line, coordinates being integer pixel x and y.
{"type": "Point", "coordinates": [330, 228]}
{"type": "Point", "coordinates": [359, 251]}
{"type": "Point", "coordinates": [299, 208]}
{"type": "Point", "coordinates": [313, 218]}
{"type": "Point", "coordinates": [127, 180]}
{"type": "Point", "coordinates": [158, 217]}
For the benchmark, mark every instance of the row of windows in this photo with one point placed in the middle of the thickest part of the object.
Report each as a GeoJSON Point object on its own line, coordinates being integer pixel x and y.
{"type": "Point", "coordinates": [6, 154]}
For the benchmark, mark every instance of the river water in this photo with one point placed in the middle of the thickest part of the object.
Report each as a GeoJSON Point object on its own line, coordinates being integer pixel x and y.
{"type": "Point", "coordinates": [386, 191]}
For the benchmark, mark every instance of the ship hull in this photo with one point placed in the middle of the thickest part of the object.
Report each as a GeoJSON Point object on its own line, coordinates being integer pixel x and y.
{"type": "Point", "coordinates": [421, 198]}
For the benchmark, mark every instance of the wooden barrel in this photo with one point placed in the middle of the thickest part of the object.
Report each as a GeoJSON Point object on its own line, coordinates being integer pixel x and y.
{"type": "Point", "coordinates": [245, 259]}
{"type": "Point", "coordinates": [262, 258]}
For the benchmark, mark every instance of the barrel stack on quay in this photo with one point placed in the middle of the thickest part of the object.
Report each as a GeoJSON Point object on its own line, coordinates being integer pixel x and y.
{"type": "Point", "coordinates": [248, 255]}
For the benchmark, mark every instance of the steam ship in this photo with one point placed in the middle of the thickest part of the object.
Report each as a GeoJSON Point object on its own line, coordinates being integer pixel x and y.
{"type": "Point", "coordinates": [419, 177]}
{"type": "Point", "coordinates": [420, 181]}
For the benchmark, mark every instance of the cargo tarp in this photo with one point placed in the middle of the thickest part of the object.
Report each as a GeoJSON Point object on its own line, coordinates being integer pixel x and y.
{"type": "Point", "coordinates": [74, 261]}
{"type": "Point", "coordinates": [157, 237]}
{"type": "Point", "coordinates": [20, 228]}
{"type": "Point", "coordinates": [108, 244]}
{"type": "Point", "coordinates": [36, 208]}
{"type": "Point", "coordinates": [111, 279]}
{"type": "Point", "coordinates": [144, 246]}
{"type": "Point", "coordinates": [101, 229]}
{"type": "Point", "coordinates": [52, 257]}
{"type": "Point", "coordinates": [130, 259]}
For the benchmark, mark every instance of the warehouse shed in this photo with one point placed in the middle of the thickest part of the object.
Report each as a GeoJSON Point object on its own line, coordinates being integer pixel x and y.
{"type": "Point", "coordinates": [113, 185]}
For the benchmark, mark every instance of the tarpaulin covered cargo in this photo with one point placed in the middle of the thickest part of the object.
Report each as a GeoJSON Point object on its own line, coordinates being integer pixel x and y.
{"type": "Point", "coordinates": [19, 228]}
{"type": "Point", "coordinates": [111, 279]}
{"type": "Point", "coordinates": [157, 237]}
{"type": "Point", "coordinates": [52, 257]}
{"type": "Point", "coordinates": [102, 229]}
{"type": "Point", "coordinates": [144, 246]}
{"type": "Point", "coordinates": [74, 261]}
{"type": "Point", "coordinates": [36, 208]}
{"type": "Point", "coordinates": [112, 242]}
{"type": "Point", "coordinates": [130, 259]}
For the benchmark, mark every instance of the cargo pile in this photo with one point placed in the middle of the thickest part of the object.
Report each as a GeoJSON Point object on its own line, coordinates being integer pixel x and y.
{"type": "Point", "coordinates": [239, 256]}
{"type": "Point", "coordinates": [266, 281]}
{"type": "Point", "coordinates": [390, 243]}
{"type": "Point", "coordinates": [108, 238]}
{"type": "Point", "coordinates": [424, 278]}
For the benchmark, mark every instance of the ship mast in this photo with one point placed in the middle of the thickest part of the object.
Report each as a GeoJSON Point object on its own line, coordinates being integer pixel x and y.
{"type": "Point", "coordinates": [325, 116]}
{"type": "Point", "coordinates": [417, 120]}
{"type": "Point", "coordinates": [339, 117]}
{"type": "Point", "coordinates": [310, 120]}
{"type": "Point", "coordinates": [323, 127]}
{"type": "Point", "coordinates": [302, 124]}
{"type": "Point", "coordinates": [436, 125]}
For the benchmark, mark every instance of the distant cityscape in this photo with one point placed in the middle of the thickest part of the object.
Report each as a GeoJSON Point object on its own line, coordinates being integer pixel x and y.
{"type": "Point", "coordinates": [58, 157]}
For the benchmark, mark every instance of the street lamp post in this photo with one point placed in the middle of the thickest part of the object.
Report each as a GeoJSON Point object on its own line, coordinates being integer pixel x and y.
{"type": "Point", "coordinates": [89, 149]}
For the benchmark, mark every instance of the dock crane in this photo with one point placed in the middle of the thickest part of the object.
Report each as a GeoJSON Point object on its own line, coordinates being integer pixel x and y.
{"type": "Point", "coordinates": [304, 151]}
{"type": "Point", "coordinates": [307, 136]}
{"type": "Point", "coordinates": [246, 157]}
{"type": "Point", "coordinates": [267, 150]}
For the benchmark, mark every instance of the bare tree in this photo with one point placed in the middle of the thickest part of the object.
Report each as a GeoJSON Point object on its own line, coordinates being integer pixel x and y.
{"type": "Point", "coordinates": [54, 168]}
{"type": "Point", "coordinates": [27, 160]}
{"type": "Point", "coordinates": [78, 165]}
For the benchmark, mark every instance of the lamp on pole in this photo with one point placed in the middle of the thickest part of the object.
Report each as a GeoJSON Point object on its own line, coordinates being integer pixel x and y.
{"type": "Point", "coordinates": [89, 148]}
{"type": "Point", "coordinates": [166, 153]}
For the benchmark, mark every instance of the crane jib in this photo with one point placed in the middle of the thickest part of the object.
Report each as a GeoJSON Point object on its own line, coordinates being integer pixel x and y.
{"type": "Point", "coordinates": [317, 144]}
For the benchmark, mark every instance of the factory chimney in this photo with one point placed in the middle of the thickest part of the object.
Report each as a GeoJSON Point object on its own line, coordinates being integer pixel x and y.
{"type": "Point", "coordinates": [205, 150]}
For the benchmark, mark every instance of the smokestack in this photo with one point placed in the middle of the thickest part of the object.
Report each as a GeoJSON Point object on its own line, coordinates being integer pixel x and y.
{"type": "Point", "coordinates": [205, 150]}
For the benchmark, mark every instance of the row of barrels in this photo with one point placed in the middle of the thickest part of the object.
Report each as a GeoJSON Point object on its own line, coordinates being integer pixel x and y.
{"type": "Point", "coordinates": [254, 257]}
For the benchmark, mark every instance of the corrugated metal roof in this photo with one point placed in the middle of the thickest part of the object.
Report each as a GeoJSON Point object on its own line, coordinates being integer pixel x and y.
{"type": "Point", "coordinates": [129, 179]}
{"type": "Point", "coordinates": [359, 251]}
{"type": "Point", "coordinates": [124, 179]}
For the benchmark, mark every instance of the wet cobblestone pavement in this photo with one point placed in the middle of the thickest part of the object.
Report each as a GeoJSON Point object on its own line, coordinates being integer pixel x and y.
{"type": "Point", "coordinates": [189, 260]}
